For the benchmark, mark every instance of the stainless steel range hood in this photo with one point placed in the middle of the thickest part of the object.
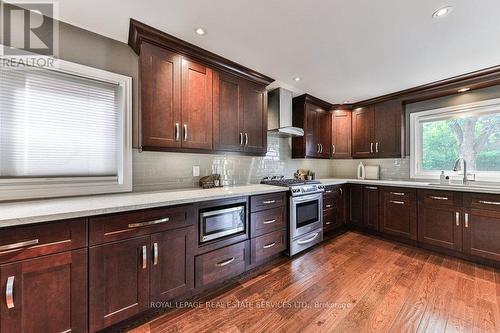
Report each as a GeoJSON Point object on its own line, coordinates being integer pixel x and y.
{"type": "Point", "coordinates": [280, 114]}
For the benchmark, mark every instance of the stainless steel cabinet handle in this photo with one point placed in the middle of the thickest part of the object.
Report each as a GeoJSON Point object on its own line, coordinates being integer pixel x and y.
{"type": "Point", "coordinates": [466, 220]}
{"type": "Point", "coordinates": [317, 148]}
{"type": "Point", "coordinates": [333, 149]}
{"type": "Point", "coordinates": [328, 191]}
{"type": "Point", "coordinates": [246, 139]}
{"type": "Point", "coordinates": [19, 245]}
{"type": "Point", "coordinates": [185, 132]}
{"type": "Point", "coordinates": [269, 221]}
{"type": "Point", "coordinates": [371, 187]}
{"type": "Point", "coordinates": [144, 257]}
{"type": "Point", "coordinates": [177, 132]}
{"type": "Point", "coordinates": [341, 191]}
{"type": "Point", "coordinates": [268, 202]}
{"type": "Point", "coordinates": [224, 263]}
{"type": "Point", "coordinates": [397, 202]}
{"type": "Point", "coordinates": [305, 241]}
{"type": "Point", "coordinates": [438, 198]}
{"type": "Point", "coordinates": [9, 292]}
{"type": "Point", "coordinates": [489, 202]}
{"type": "Point", "coordinates": [320, 148]}
{"type": "Point", "coordinates": [457, 219]}
{"type": "Point", "coordinates": [328, 223]}
{"type": "Point", "coordinates": [269, 245]}
{"type": "Point", "coordinates": [376, 147]}
{"type": "Point", "coordinates": [398, 193]}
{"type": "Point", "coordinates": [329, 206]}
{"type": "Point", "coordinates": [241, 139]}
{"type": "Point", "coordinates": [143, 224]}
{"type": "Point", "coordinates": [371, 147]}
{"type": "Point", "coordinates": [155, 254]}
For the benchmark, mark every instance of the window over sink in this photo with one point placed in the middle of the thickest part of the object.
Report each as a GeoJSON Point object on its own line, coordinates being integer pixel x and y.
{"type": "Point", "coordinates": [64, 130]}
{"type": "Point", "coordinates": [439, 137]}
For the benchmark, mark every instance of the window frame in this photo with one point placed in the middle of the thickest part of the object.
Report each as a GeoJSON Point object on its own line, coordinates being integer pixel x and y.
{"type": "Point", "coordinates": [416, 172]}
{"type": "Point", "coordinates": [44, 187]}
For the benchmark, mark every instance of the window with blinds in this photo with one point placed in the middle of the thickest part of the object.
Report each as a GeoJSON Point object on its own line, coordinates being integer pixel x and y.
{"type": "Point", "coordinates": [57, 125]}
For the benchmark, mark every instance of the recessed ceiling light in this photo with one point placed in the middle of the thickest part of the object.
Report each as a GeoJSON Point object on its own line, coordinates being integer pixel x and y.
{"type": "Point", "coordinates": [297, 78]}
{"type": "Point", "coordinates": [463, 90]}
{"type": "Point", "coordinates": [442, 12]}
{"type": "Point", "coordinates": [200, 31]}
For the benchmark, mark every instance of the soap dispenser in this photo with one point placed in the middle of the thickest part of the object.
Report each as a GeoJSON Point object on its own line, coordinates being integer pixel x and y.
{"type": "Point", "coordinates": [361, 171]}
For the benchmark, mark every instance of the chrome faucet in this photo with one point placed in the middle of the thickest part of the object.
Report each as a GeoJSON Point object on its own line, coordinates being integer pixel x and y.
{"type": "Point", "coordinates": [465, 181]}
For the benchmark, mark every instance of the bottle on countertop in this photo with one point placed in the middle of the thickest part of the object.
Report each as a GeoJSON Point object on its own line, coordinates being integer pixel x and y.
{"type": "Point", "coordinates": [442, 178]}
{"type": "Point", "coordinates": [361, 171]}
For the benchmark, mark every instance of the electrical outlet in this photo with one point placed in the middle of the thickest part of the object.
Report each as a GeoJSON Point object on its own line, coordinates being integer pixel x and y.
{"type": "Point", "coordinates": [196, 170]}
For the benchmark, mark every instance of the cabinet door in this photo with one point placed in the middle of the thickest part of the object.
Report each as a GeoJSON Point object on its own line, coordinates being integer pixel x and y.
{"type": "Point", "coordinates": [440, 225]}
{"type": "Point", "coordinates": [363, 121]}
{"type": "Point", "coordinates": [388, 129]}
{"type": "Point", "coordinates": [118, 281]}
{"type": "Point", "coordinates": [49, 294]}
{"type": "Point", "coordinates": [172, 264]}
{"type": "Point", "coordinates": [228, 113]}
{"type": "Point", "coordinates": [311, 132]}
{"type": "Point", "coordinates": [196, 105]}
{"type": "Point", "coordinates": [482, 233]}
{"type": "Point", "coordinates": [370, 207]}
{"type": "Point", "coordinates": [324, 133]}
{"type": "Point", "coordinates": [160, 97]}
{"type": "Point", "coordinates": [356, 204]}
{"type": "Point", "coordinates": [254, 118]}
{"type": "Point", "coordinates": [341, 204]}
{"type": "Point", "coordinates": [341, 134]}
{"type": "Point", "coordinates": [398, 212]}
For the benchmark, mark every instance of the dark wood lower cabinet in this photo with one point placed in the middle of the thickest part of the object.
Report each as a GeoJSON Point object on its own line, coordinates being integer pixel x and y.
{"type": "Point", "coordinates": [356, 204]}
{"type": "Point", "coordinates": [172, 264]}
{"type": "Point", "coordinates": [398, 212]}
{"type": "Point", "coordinates": [440, 225]}
{"type": "Point", "coordinates": [482, 233]}
{"type": "Point", "coordinates": [370, 207]}
{"type": "Point", "coordinates": [49, 294]}
{"type": "Point", "coordinates": [118, 281]}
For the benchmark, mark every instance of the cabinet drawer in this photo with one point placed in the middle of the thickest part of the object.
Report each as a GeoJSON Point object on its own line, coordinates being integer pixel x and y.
{"type": "Point", "coordinates": [25, 242]}
{"type": "Point", "coordinates": [330, 219]}
{"type": "Point", "coordinates": [113, 227]}
{"type": "Point", "coordinates": [268, 245]}
{"type": "Point", "coordinates": [266, 201]}
{"type": "Point", "coordinates": [221, 264]}
{"type": "Point", "coordinates": [440, 198]}
{"type": "Point", "coordinates": [267, 221]}
{"type": "Point", "coordinates": [482, 201]}
{"type": "Point", "coordinates": [399, 194]}
{"type": "Point", "coordinates": [329, 202]}
{"type": "Point", "coordinates": [330, 190]}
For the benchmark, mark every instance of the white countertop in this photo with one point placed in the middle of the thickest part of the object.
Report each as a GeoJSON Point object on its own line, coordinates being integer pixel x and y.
{"type": "Point", "coordinates": [36, 211]}
{"type": "Point", "coordinates": [493, 189]}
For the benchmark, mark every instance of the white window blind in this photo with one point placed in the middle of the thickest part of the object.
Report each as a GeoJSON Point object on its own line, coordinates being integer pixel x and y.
{"type": "Point", "coordinates": [55, 124]}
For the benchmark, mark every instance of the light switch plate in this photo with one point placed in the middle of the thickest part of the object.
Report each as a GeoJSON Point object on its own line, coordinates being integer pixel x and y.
{"type": "Point", "coordinates": [196, 170]}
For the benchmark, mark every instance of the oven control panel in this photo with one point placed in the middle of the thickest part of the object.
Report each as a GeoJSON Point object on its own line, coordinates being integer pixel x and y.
{"type": "Point", "coordinates": [307, 189]}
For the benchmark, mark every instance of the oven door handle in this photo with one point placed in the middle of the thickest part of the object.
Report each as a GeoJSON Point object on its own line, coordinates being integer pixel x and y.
{"type": "Point", "coordinates": [307, 198]}
{"type": "Point", "coordinates": [310, 239]}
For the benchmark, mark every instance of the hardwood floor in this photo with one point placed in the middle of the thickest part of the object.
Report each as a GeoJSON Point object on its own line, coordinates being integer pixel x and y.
{"type": "Point", "coordinates": [353, 283]}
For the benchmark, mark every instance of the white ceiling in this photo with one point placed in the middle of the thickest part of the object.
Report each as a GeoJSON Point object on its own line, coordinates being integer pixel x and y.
{"type": "Point", "coordinates": [344, 50]}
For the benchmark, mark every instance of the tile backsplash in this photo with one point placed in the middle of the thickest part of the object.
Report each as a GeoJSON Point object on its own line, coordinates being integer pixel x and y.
{"type": "Point", "coordinates": [161, 170]}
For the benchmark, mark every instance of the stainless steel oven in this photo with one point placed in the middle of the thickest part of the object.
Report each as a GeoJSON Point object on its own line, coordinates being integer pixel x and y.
{"type": "Point", "coordinates": [306, 214]}
{"type": "Point", "coordinates": [219, 222]}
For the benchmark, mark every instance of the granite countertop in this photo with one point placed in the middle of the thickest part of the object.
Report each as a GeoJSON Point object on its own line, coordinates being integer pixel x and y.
{"type": "Point", "coordinates": [36, 211]}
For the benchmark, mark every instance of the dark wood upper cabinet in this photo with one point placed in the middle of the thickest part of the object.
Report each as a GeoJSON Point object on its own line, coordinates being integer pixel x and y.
{"type": "Point", "coordinates": [160, 97]}
{"type": "Point", "coordinates": [363, 120]}
{"type": "Point", "coordinates": [341, 134]}
{"type": "Point", "coordinates": [388, 130]}
{"type": "Point", "coordinates": [377, 130]}
{"type": "Point", "coordinates": [310, 114]}
{"type": "Point", "coordinates": [49, 294]}
{"type": "Point", "coordinates": [371, 207]}
{"type": "Point", "coordinates": [172, 264]}
{"type": "Point", "coordinates": [196, 105]}
{"type": "Point", "coordinates": [240, 115]}
{"type": "Point", "coordinates": [118, 281]}
{"type": "Point", "coordinates": [194, 100]}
